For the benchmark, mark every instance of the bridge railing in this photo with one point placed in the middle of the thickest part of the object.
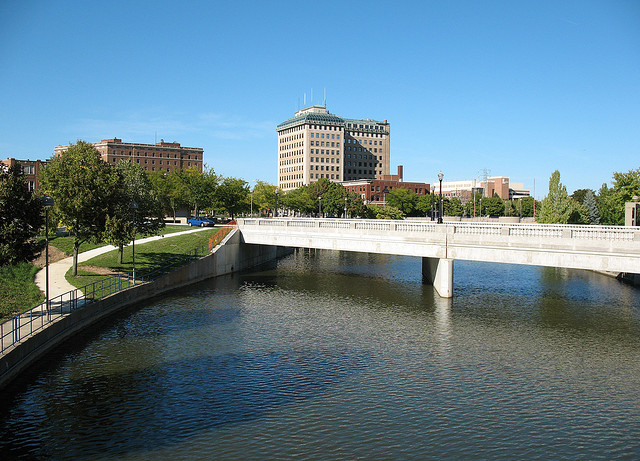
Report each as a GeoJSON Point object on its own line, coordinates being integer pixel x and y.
{"type": "Point", "coordinates": [552, 231]}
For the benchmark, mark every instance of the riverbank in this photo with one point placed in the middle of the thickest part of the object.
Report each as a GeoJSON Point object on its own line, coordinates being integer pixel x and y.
{"type": "Point", "coordinates": [25, 345]}
{"type": "Point", "coordinates": [58, 283]}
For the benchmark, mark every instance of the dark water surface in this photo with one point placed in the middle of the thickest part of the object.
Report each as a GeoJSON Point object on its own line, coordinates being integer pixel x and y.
{"type": "Point", "coordinates": [347, 356]}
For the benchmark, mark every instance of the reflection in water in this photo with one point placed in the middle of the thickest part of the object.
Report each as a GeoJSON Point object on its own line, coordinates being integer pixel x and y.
{"type": "Point", "coordinates": [443, 321]}
{"type": "Point", "coordinates": [344, 355]}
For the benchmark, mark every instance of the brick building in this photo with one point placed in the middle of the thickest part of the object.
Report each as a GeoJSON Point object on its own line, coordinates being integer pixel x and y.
{"type": "Point", "coordinates": [373, 190]}
{"type": "Point", "coordinates": [496, 185]}
{"type": "Point", "coordinates": [30, 168]}
{"type": "Point", "coordinates": [161, 156]}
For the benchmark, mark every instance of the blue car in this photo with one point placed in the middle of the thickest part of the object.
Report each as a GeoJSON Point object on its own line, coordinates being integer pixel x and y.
{"type": "Point", "coordinates": [201, 221]}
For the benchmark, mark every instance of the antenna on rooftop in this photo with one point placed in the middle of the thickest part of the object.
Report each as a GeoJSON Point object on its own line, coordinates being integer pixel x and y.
{"type": "Point", "coordinates": [484, 175]}
{"type": "Point", "coordinates": [325, 98]}
{"type": "Point", "coordinates": [305, 100]}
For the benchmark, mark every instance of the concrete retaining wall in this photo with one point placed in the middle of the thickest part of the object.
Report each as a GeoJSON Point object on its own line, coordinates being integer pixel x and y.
{"type": "Point", "coordinates": [231, 256]}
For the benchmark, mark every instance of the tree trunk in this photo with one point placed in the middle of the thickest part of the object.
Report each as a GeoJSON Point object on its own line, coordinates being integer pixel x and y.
{"type": "Point", "coordinates": [120, 246]}
{"type": "Point", "coordinates": [76, 247]}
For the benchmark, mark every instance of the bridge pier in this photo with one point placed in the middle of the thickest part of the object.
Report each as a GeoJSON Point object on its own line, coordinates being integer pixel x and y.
{"type": "Point", "coordinates": [439, 273]}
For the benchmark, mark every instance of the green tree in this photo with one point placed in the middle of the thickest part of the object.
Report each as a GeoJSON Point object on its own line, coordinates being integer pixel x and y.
{"type": "Point", "coordinates": [579, 195]}
{"type": "Point", "coordinates": [162, 189]}
{"type": "Point", "coordinates": [557, 207]}
{"type": "Point", "coordinates": [592, 208]}
{"type": "Point", "coordinates": [611, 200]}
{"type": "Point", "coordinates": [386, 212]}
{"type": "Point", "coordinates": [135, 208]}
{"type": "Point", "coordinates": [356, 206]}
{"type": "Point", "coordinates": [197, 188]}
{"type": "Point", "coordinates": [493, 206]}
{"type": "Point", "coordinates": [403, 199]}
{"type": "Point", "coordinates": [510, 208]}
{"type": "Point", "coordinates": [608, 201]}
{"type": "Point", "coordinates": [318, 189]}
{"type": "Point", "coordinates": [525, 206]}
{"type": "Point", "coordinates": [231, 196]}
{"type": "Point", "coordinates": [20, 217]}
{"type": "Point", "coordinates": [264, 197]}
{"type": "Point", "coordinates": [333, 199]}
{"type": "Point", "coordinates": [82, 186]}
{"type": "Point", "coordinates": [628, 184]}
{"type": "Point", "coordinates": [453, 207]}
{"type": "Point", "coordinates": [300, 200]}
{"type": "Point", "coordinates": [425, 204]}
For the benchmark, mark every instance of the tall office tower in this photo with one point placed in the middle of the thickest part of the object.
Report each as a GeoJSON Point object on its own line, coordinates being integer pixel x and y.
{"type": "Point", "coordinates": [316, 144]}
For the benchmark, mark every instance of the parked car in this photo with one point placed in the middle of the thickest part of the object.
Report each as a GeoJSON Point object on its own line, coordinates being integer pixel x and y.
{"type": "Point", "coordinates": [201, 221]}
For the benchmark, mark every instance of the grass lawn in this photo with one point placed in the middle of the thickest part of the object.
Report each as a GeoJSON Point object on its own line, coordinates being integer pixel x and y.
{"type": "Point", "coordinates": [65, 244]}
{"type": "Point", "coordinates": [18, 293]}
{"type": "Point", "coordinates": [148, 255]}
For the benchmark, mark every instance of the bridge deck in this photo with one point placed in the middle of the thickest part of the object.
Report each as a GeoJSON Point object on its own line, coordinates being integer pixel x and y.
{"type": "Point", "coordinates": [608, 248]}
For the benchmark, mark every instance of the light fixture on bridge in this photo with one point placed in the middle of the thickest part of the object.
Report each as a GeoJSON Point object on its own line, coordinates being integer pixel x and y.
{"type": "Point", "coordinates": [440, 176]}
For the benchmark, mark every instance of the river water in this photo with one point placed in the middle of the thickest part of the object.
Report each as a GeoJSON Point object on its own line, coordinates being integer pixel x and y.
{"type": "Point", "coordinates": [347, 356]}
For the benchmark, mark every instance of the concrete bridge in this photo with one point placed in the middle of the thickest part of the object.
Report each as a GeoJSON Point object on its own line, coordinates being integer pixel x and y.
{"type": "Point", "coordinates": [605, 248]}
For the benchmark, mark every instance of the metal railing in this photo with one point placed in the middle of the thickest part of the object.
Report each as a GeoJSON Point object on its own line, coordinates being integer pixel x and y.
{"type": "Point", "coordinates": [606, 233]}
{"type": "Point", "coordinates": [39, 317]}
{"type": "Point", "coordinates": [27, 323]}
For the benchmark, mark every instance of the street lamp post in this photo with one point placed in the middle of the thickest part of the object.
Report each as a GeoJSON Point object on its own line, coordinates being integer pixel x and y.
{"type": "Point", "coordinates": [345, 207]}
{"type": "Point", "coordinates": [384, 197]}
{"type": "Point", "coordinates": [47, 202]}
{"type": "Point", "coordinates": [440, 176]}
{"type": "Point", "coordinates": [319, 206]}
{"type": "Point", "coordinates": [520, 205]}
{"type": "Point", "coordinates": [252, 204]}
{"type": "Point", "coordinates": [276, 211]}
{"type": "Point", "coordinates": [134, 206]}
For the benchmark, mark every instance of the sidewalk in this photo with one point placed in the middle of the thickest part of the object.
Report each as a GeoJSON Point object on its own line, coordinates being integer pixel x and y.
{"type": "Point", "coordinates": [58, 284]}
{"type": "Point", "coordinates": [13, 330]}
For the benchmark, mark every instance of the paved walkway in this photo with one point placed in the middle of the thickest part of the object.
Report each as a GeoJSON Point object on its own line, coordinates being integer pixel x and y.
{"type": "Point", "coordinates": [57, 282]}
{"type": "Point", "coordinates": [37, 318]}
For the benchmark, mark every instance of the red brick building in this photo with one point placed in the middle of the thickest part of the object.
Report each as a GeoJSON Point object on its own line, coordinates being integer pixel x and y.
{"type": "Point", "coordinates": [30, 168]}
{"type": "Point", "coordinates": [372, 190]}
{"type": "Point", "coordinates": [161, 156]}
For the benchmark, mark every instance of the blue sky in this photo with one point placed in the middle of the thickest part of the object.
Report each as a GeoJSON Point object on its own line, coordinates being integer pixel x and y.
{"type": "Point", "coordinates": [520, 88]}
